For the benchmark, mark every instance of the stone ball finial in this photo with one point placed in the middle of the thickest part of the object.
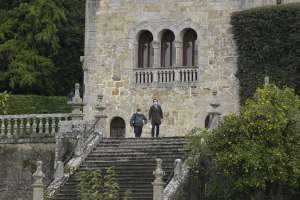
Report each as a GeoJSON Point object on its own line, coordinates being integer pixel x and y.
{"type": "Point", "coordinates": [39, 171]}
{"type": "Point", "coordinates": [158, 173]}
{"type": "Point", "coordinates": [77, 86]}
{"type": "Point", "coordinates": [38, 174]}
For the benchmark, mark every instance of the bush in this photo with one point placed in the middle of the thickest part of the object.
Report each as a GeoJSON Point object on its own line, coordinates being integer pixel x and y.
{"type": "Point", "coordinates": [268, 42]}
{"type": "Point", "coordinates": [32, 104]}
{"type": "Point", "coordinates": [253, 153]}
{"type": "Point", "coordinates": [98, 185]}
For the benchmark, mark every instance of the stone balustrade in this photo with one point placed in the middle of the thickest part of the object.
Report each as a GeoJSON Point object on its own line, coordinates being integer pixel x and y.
{"type": "Point", "coordinates": [32, 125]}
{"type": "Point", "coordinates": [166, 75]}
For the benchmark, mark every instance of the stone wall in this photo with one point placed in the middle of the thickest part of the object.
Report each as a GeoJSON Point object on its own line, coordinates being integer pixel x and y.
{"type": "Point", "coordinates": [18, 162]}
{"type": "Point", "coordinates": [112, 28]}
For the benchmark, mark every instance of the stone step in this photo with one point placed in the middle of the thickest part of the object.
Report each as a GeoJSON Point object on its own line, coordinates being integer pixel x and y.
{"type": "Point", "coordinates": [134, 163]}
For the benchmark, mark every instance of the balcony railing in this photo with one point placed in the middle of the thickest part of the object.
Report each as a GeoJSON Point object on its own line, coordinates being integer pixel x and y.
{"type": "Point", "coordinates": [166, 75]}
{"type": "Point", "coordinates": [33, 125]}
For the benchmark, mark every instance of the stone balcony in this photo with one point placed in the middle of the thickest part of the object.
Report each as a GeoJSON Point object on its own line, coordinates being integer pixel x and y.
{"type": "Point", "coordinates": [166, 77]}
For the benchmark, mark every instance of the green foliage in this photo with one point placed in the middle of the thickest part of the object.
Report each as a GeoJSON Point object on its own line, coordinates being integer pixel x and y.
{"type": "Point", "coordinates": [255, 152]}
{"type": "Point", "coordinates": [198, 151]}
{"type": "Point", "coordinates": [71, 35]}
{"type": "Point", "coordinates": [84, 185]}
{"type": "Point", "coordinates": [28, 42]}
{"type": "Point", "coordinates": [94, 185]}
{"type": "Point", "coordinates": [111, 186]}
{"type": "Point", "coordinates": [40, 45]}
{"type": "Point", "coordinates": [127, 195]}
{"type": "Point", "coordinates": [268, 43]}
{"type": "Point", "coordinates": [3, 102]}
{"type": "Point", "coordinates": [32, 104]}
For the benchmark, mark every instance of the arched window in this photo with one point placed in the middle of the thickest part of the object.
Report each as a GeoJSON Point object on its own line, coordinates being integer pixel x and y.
{"type": "Point", "coordinates": [167, 49]}
{"type": "Point", "coordinates": [189, 48]}
{"type": "Point", "coordinates": [145, 57]}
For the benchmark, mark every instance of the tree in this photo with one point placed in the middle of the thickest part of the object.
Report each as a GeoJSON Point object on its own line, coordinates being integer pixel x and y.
{"type": "Point", "coordinates": [40, 46]}
{"type": "Point", "coordinates": [71, 36]}
{"type": "Point", "coordinates": [28, 42]}
{"type": "Point", "coordinates": [254, 154]}
{"type": "Point", "coordinates": [258, 150]}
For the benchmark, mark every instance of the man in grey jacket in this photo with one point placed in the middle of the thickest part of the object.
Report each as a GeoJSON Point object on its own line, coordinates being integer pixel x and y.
{"type": "Point", "coordinates": [137, 121]}
{"type": "Point", "coordinates": [155, 115]}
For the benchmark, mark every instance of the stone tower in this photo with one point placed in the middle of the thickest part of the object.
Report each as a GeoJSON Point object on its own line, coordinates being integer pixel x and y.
{"type": "Point", "coordinates": [178, 51]}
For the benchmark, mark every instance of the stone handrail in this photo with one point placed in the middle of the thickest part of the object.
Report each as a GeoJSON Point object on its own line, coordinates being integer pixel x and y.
{"type": "Point", "coordinates": [87, 138]}
{"type": "Point", "coordinates": [31, 125]}
{"type": "Point", "coordinates": [179, 75]}
{"type": "Point", "coordinates": [181, 172]}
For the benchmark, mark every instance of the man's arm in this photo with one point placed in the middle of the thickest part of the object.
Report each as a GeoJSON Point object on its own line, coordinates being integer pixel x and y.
{"type": "Point", "coordinates": [132, 120]}
{"type": "Point", "coordinates": [161, 113]}
{"type": "Point", "coordinates": [145, 119]}
{"type": "Point", "coordinates": [150, 113]}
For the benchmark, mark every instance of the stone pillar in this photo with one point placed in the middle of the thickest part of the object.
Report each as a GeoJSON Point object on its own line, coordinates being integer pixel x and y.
{"type": "Point", "coordinates": [38, 186]}
{"type": "Point", "coordinates": [178, 169]}
{"type": "Point", "coordinates": [158, 184]}
{"type": "Point", "coordinates": [135, 55]}
{"type": "Point", "coordinates": [76, 104]}
{"type": "Point", "coordinates": [266, 80]}
{"type": "Point", "coordinates": [59, 171]}
{"type": "Point", "coordinates": [79, 146]}
{"type": "Point", "coordinates": [156, 59]}
{"type": "Point", "coordinates": [100, 117]}
{"type": "Point", "coordinates": [214, 113]}
{"type": "Point", "coordinates": [178, 47]}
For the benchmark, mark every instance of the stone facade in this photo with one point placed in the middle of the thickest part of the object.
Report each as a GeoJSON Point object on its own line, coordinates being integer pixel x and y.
{"type": "Point", "coordinates": [110, 60]}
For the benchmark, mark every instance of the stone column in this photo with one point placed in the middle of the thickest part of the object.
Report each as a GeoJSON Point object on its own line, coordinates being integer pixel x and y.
{"type": "Point", "coordinates": [156, 59]}
{"type": "Point", "coordinates": [214, 113]}
{"type": "Point", "coordinates": [178, 169]}
{"type": "Point", "coordinates": [178, 47]}
{"type": "Point", "coordinates": [79, 146]}
{"type": "Point", "coordinates": [158, 184]}
{"type": "Point", "coordinates": [266, 80]}
{"type": "Point", "coordinates": [38, 186]}
{"type": "Point", "coordinates": [100, 117]}
{"type": "Point", "coordinates": [59, 171]}
{"type": "Point", "coordinates": [76, 104]}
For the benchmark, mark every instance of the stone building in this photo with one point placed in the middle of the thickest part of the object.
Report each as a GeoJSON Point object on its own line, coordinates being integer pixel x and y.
{"type": "Point", "coordinates": [178, 51]}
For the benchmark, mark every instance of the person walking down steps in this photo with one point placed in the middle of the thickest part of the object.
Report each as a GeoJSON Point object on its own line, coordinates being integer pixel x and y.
{"type": "Point", "coordinates": [137, 121]}
{"type": "Point", "coordinates": [155, 115]}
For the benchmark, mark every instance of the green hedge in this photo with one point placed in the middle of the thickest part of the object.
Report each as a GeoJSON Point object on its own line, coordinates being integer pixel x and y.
{"type": "Point", "coordinates": [268, 44]}
{"type": "Point", "coordinates": [32, 104]}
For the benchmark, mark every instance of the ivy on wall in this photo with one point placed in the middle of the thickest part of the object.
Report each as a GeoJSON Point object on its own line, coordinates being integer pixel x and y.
{"type": "Point", "coordinates": [268, 44]}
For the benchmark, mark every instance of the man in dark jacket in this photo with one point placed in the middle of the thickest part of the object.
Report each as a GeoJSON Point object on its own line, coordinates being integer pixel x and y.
{"type": "Point", "coordinates": [137, 121]}
{"type": "Point", "coordinates": [155, 115]}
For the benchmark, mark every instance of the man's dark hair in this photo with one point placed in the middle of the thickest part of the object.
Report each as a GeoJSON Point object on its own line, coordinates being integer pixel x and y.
{"type": "Point", "coordinates": [155, 100]}
{"type": "Point", "coordinates": [138, 110]}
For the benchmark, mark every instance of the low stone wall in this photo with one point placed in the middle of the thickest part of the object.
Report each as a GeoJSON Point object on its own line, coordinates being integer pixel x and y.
{"type": "Point", "coordinates": [18, 162]}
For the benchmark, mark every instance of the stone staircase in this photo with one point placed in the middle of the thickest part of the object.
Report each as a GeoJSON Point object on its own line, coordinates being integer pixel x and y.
{"type": "Point", "coordinates": [134, 162]}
